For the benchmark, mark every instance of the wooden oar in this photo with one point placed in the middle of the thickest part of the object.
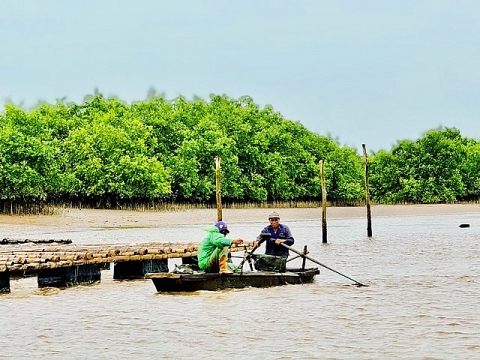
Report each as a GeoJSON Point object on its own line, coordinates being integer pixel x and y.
{"type": "Point", "coordinates": [319, 263]}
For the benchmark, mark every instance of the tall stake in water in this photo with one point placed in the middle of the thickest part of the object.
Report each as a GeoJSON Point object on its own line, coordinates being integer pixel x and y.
{"type": "Point", "coordinates": [324, 203]}
{"type": "Point", "coordinates": [367, 193]}
{"type": "Point", "coordinates": [218, 190]}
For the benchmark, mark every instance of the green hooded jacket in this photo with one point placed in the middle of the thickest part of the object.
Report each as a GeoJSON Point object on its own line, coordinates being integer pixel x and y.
{"type": "Point", "coordinates": [212, 241]}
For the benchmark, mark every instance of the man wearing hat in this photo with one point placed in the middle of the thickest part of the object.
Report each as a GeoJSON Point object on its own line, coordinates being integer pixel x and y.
{"type": "Point", "coordinates": [213, 250]}
{"type": "Point", "coordinates": [279, 233]}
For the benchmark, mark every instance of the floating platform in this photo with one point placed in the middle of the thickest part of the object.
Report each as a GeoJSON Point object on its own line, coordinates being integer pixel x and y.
{"type": "Point", "coordinates": [68, 264]}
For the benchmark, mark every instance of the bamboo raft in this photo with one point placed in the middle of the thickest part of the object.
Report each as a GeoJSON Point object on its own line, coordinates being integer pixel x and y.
{"type": "Point", "coordinates": [20, 259]}
{"type": "Point", "coordinates": [29, 258]}
{"type": "Point", "coordinates": [64, 264]}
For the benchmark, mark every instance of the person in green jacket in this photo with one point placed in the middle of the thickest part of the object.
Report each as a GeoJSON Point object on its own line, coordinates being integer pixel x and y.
{"type": "Point", "coordinates": [213, 250]}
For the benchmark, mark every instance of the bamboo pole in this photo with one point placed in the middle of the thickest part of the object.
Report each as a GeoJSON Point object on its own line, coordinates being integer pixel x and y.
{"type": "Point", "coordinates": [324, 202]}
{"type": "Point", "coordinates": [305, 252]}
{"type": "Point", "coordinates": [367, 193]}
{"type": "Point", "coordinates": [218, 189]}
{"type": "Point", "coordinates": [34, 241]}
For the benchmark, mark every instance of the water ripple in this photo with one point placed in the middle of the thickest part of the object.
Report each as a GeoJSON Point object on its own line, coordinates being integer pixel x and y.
{"type": "Point", "coordinates": [421, 303]}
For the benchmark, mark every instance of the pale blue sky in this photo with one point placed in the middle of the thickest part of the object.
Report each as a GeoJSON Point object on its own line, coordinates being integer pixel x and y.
{"type": "Point", "coordinates": [371, 71]}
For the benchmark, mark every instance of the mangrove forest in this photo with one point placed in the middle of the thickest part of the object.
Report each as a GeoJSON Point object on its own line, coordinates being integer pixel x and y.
{"type": "Point", "coordinates": [107, 153]}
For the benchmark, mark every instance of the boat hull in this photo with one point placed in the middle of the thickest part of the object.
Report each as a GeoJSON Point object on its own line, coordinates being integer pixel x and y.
{"type": "Point", "coordinates": [174, 282]}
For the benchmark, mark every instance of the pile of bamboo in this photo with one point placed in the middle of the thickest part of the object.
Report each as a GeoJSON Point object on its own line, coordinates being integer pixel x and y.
{"type": "Point", "coordinates": [32, 258]}
{"type": "Point", "coordinates": [7, 241]}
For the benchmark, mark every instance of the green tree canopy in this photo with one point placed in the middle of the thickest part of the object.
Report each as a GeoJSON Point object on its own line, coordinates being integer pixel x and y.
{"type": "Point", "coordinates": [165, 150]}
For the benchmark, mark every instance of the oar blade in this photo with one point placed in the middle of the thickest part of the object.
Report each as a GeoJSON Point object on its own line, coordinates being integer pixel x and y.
{"type": "Point", "coordinates": [357, 283]}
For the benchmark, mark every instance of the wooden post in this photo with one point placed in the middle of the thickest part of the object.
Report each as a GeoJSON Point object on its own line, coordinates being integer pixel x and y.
{"type": "Point", "coordinates": [367, 193]}
{"type": "Point", "coordinates": [324, 203]}
{"type": "Point", "coordinates": [218, 190]}
{"type": "Point", "coordinates": [305, 252]}
{"type": "Point", "coordinates": [4, 282]}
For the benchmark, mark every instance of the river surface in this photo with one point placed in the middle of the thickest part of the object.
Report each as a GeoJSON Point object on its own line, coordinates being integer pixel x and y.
{"type": "Point", "coordinates": [421, 302]}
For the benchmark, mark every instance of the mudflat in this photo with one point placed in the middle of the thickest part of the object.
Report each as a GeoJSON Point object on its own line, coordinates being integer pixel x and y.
{"type": "Point", "coordinates": [95, 218]}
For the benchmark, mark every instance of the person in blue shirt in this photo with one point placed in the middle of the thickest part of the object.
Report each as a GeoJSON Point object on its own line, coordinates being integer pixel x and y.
{"type": "Point", "coordinates": [214, 248]}
{"type": "Point", "coordinates": [279, 233]}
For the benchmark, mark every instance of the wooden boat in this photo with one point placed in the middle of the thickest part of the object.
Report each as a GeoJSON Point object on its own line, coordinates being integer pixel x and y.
{"type": "Point", "coordinates": [178, 282]}
{"type": "Point", "coordinates": [271, 271]}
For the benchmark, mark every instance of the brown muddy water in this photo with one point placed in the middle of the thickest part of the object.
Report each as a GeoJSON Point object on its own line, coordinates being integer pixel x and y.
{"type": "Point", "coordinates": [422, 299]}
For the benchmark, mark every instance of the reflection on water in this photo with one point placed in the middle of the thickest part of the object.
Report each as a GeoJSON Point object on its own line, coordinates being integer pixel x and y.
{"type": "Point", "coordinates": [423, 274]}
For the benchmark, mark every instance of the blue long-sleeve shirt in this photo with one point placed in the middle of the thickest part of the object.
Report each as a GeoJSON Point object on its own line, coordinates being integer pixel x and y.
{"type": "Point", "coordinates": [284, 233]}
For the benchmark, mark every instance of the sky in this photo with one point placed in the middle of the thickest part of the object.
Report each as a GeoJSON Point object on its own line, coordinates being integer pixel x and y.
{"type": "Point", "coordinates": [370, 72]}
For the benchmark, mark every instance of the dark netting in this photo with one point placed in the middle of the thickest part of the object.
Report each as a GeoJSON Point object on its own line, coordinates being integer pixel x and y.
{"type": "Point", "coordinates": [269, 262]}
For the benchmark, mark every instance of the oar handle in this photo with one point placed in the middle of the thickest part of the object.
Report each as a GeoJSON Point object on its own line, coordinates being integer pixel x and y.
{"type": "Point", "coordinates": [319, 263]}
{"type": "Point", "coordinates": [248, 255]}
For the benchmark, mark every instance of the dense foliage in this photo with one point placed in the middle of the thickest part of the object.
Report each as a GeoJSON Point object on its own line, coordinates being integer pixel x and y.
{"type": "Point", "coordinates": [105, 151]}
{"type": "Point", "coordinates": [440, 167]}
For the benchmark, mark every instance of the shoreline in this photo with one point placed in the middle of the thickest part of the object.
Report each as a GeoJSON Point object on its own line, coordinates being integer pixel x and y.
{"type": "Point", "coordinates": [96, 218]}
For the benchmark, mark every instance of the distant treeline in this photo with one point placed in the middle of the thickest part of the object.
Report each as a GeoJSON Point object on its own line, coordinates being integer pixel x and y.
{"type": "Point", "coordinates": [107, 153]}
